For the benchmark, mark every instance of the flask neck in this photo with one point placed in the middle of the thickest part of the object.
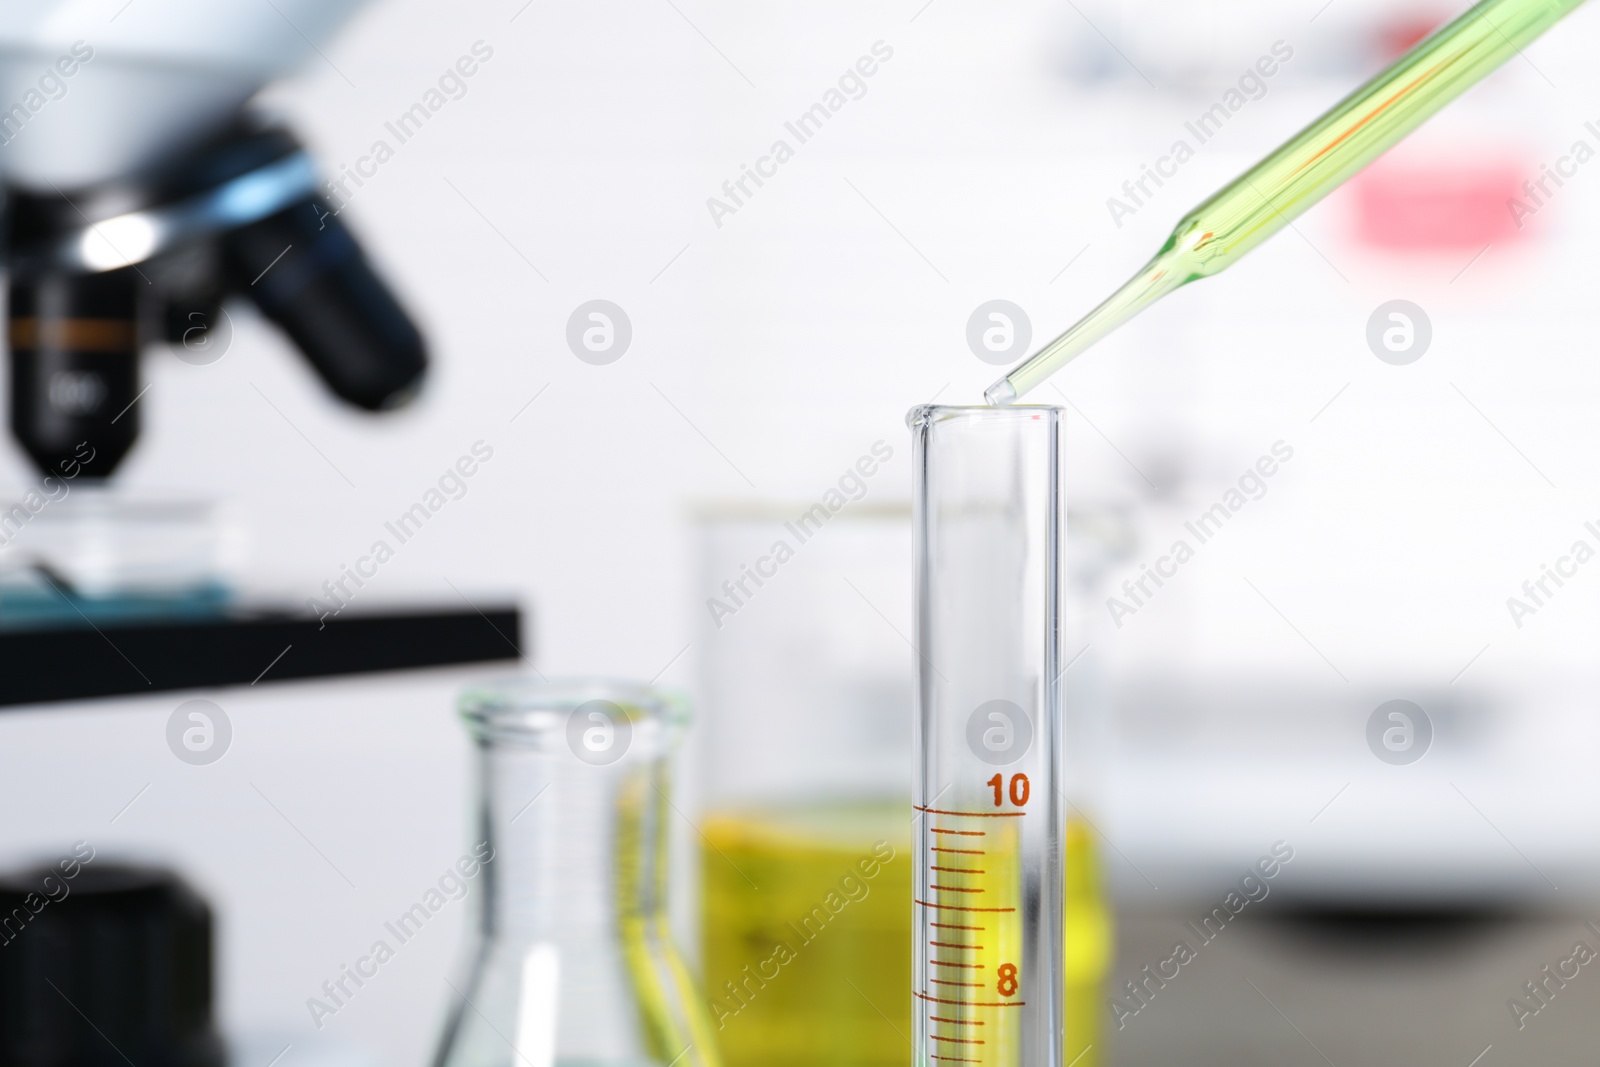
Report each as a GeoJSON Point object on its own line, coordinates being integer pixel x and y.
{"type": "Point", "coordinates": [578, 849]}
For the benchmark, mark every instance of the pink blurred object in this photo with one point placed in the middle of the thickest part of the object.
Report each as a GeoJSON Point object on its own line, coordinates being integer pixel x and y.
{"type": "Point", "coordinates": [1447, 205]}
{"type": "Point", "coordinates": [1396, 36]}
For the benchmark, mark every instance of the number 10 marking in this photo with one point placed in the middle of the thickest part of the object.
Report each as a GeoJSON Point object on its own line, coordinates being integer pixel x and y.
{"type": "Point", "coordinates": [1019, 789]}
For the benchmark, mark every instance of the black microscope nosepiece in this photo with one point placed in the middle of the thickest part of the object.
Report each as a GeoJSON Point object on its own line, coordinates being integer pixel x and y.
{"type": "Point", "coordinates": [303, 269]}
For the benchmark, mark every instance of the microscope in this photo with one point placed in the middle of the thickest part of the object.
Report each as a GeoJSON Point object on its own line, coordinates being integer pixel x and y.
{"type": "Point", "coordinates": [141, 193]}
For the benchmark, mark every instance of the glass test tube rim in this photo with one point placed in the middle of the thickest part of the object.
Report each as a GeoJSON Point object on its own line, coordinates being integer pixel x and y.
{"type": "Point", "coordinates": [926, 414]}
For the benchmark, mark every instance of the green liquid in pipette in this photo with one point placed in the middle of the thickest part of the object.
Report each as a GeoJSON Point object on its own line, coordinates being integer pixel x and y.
{"type": "Point", "coordinates": [1310, 165]}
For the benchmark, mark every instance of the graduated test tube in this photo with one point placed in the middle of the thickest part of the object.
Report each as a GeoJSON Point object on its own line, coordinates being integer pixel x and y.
{"type": "Point", "coordinates": [990, 816]}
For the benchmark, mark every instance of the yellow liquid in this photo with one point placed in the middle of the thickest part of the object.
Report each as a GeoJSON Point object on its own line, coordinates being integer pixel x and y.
{"type": "Point", "coordinates": [672, 1010]}
{"type": "Point", "coordinates": [1086, 929]}
{"type": "Point", "coordinates": [972, 997]}
{"type": "Point", "coordinates": [840, 995]}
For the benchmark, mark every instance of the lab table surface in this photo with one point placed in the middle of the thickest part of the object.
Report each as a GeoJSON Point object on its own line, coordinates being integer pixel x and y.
{"type": "Point", "coordinates": [1413, 989]}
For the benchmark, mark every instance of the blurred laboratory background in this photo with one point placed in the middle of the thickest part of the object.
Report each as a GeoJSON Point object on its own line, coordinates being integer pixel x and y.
{"type": "Point", "coordinates": [1369, 667]}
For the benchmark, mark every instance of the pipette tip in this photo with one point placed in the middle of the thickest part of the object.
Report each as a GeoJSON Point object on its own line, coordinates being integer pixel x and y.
{"type": "Point", "coordinates": [1000, 394]}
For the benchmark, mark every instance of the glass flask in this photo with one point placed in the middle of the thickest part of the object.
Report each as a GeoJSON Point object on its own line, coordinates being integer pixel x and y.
{"type": "Point", "coordinates": [803, 778]}
{"type": "Point", "coordinates": [574, 965]}
{"type": "Point", "coordinates": [991, 834]}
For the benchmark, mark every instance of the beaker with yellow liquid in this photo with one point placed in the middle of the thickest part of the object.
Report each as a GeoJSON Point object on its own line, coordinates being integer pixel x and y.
{"type": "Point", "coordinates": [804, 776]}
{"type": "Point", "coordinates": [804, 788]}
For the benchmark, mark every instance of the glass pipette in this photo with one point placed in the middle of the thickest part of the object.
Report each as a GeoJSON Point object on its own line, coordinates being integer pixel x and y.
{"type": "Point", "coordinates": [1307, 167]}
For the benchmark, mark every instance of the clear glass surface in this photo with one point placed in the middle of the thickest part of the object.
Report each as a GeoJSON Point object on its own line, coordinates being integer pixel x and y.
{"type": "Point", "coordinates": [990, 833]}
{"type": "Point", "coordinates": [71, 551]}
{"type": "Point", "coordinates": [574, 966]}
